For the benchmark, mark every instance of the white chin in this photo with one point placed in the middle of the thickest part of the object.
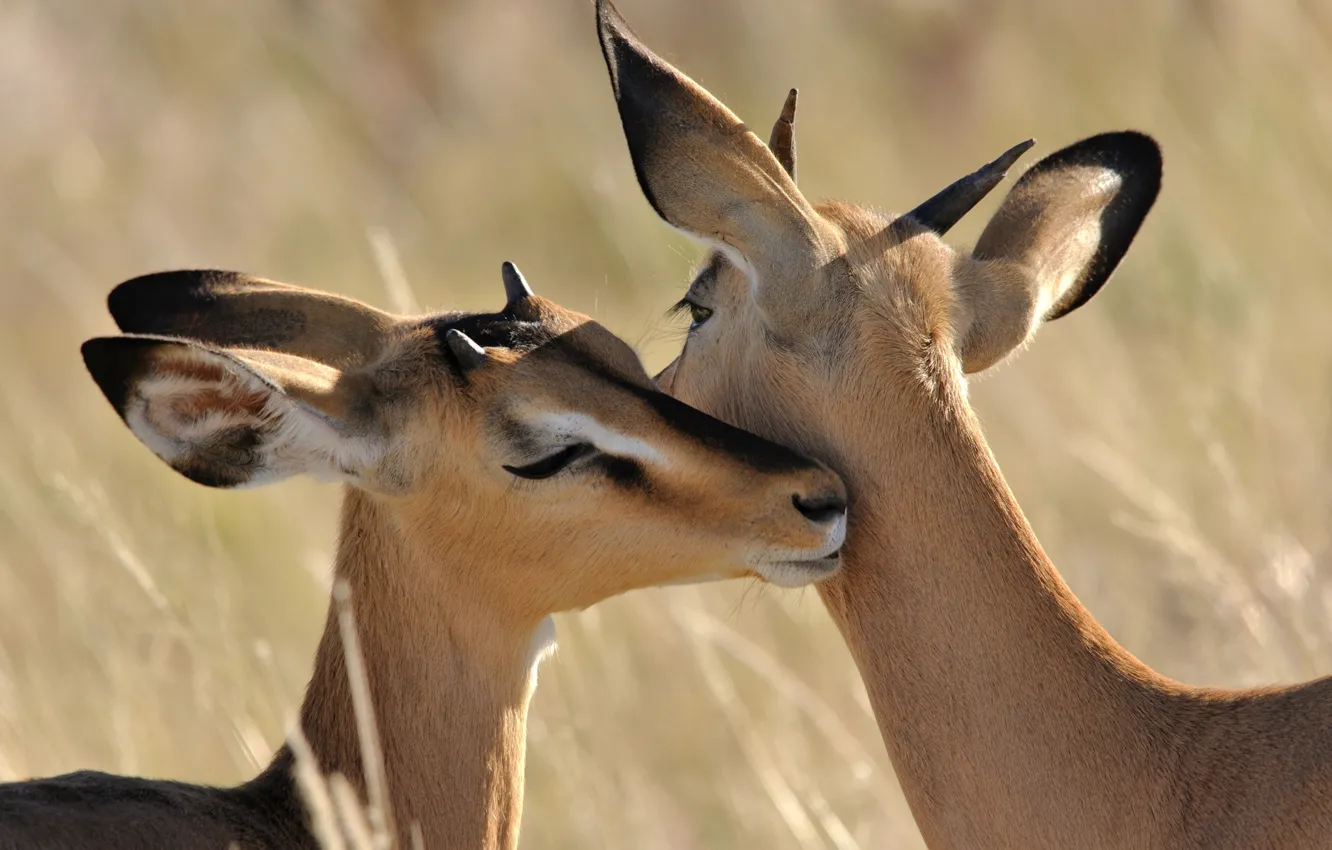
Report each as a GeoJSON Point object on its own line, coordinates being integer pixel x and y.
{"type": "Point", "coordinates": [798, 573]}
{"type": "Point", "coordinates": [706, 578]}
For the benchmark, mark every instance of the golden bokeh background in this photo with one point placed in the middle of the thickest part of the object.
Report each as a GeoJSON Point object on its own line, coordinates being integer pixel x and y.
{"type": "Point", "coordinates": [1170, 441]}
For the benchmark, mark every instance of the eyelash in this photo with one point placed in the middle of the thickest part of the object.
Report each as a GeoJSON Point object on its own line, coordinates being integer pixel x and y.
{"type": "Point", "coordinates": [684, 305]}
{"type": "Point", "coordinates": [552, 464]}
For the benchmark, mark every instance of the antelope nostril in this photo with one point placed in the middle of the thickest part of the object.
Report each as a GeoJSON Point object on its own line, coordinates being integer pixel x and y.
{"type": "Point", "coordinates": [822, 509]}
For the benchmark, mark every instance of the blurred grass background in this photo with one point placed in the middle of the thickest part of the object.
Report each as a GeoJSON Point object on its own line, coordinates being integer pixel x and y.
{"type": "Point", "coordinates": [1170, 441]}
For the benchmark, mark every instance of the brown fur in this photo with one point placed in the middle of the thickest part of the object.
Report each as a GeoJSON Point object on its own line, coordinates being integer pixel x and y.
{"type": "Point", "coordinates": [1012, 718]}
{"type": "Point", "coordinates": [452, 562]}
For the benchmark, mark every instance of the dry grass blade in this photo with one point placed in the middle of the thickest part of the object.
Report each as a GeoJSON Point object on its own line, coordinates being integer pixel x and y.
{"type": "Point", "coordinates": [706, 627]}
{"type": "Point", "coordinates": [780, 792]}
{"type": "Point", "coordinates": [401, 298]}
{"type": "Point", "coordinates": [353, 815]}
{"type": "Point", "coordinates": [264, 136]}
{"type": "Point", "coordinates": [372, 755]}
{"type": "Point", "coordinates": [315, 791]}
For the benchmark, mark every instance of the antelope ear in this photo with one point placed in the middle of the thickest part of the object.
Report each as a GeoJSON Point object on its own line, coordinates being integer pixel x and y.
{"type": "Point", "coordinates": [705, 173]}
{"type": "Point", "coordinates": [238, 418]}
{"type": "Point", "coordinates": [235, 310]}
{"type": "Point", "coordinates": [1055, 241]}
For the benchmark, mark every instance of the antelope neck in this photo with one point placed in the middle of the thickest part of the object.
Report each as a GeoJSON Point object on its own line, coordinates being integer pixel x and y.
{"type": "Point", "coordinates": [450, 684]}
{"type": "Point", "coordinates": [1008, 711]}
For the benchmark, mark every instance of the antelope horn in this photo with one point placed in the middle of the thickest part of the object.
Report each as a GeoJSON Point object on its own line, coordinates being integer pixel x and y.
{"type": "Point", "coordinates": [515, 286]}
{"type": "Point", "coordinates": [945, 209]}
{"type": "Point", "coordinates": [469, 354]}
{"type": "Point", "coordinates": [782, 140]}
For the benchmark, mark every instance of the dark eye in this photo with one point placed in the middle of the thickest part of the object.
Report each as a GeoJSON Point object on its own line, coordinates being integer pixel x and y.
{"type": "Point", "coordinates": [548, 466]}
{"type": "Point", "coordinates": [698, 315]}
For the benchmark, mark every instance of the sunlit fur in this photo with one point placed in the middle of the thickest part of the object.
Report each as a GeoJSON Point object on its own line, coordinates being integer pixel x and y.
{"type": "Point", "coordinates": [454, 564]}
{"type": "Point", "coordinates": [1013, 719]}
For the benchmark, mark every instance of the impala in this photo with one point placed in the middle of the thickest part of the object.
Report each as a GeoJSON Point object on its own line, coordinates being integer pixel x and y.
{"type": "Point", "coordinates": [498, 468]}
{"type": "Point", "coordinates": [1012, 718]}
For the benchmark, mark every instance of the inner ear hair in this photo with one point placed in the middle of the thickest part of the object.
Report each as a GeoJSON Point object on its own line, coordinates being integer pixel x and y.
{"type": "Point", "coordinates": [1055, 240]}
{"type": "Point", "coordinates": [228, 418]}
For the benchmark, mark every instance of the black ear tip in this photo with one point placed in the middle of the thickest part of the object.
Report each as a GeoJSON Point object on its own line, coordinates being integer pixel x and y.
{"type": "Point", "coordinates": [111, 361]}
{"type": "Point", "coordinates": [1144, 143]}
{"type": "Point", "coordinates": [1136, 156]}
{"type": "Point", "coordinates": [91, 350]}
{"type": "Point", "coordinates": [1132, 154]}
{"type": "Point", "coordinates": [138, 304]}
{"type": "Point", "coordinates": [609, 21]}
{"type": "Point", "coordinates": [128, 300]}
{"type": "Point", "coordinates": [1138, 149]}
{"type": "Point", "coordinates": [1128, 151]}
{"type": "Point", "coordinates": [608, 16]}
{"type": "Point", "coordinates": [99, 354]}
{"type": "Point", "coordinates": [617, 39]}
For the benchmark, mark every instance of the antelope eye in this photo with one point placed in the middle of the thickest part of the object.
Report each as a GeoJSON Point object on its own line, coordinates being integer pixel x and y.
{"type": "Point", "coordinates": [698, 315]}
{"type": "Point", "coordinates": [552, 464]}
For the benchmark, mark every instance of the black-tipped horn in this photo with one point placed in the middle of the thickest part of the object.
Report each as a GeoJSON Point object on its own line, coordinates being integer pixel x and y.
{"type": "Point", "coordinates": [946, 209]}
{"type": "Point", "coordinates": [515, 286]}
{"type": "Point", "coordinates": [469, 354]}
{"type": "Point", "coordinates": [782, 139]}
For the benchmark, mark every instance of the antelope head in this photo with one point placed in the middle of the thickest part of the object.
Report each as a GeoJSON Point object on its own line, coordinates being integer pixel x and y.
{"type": "Point", "coordinates": [827, 326]}
{"type": "Point", "coordinates": [532, 431]}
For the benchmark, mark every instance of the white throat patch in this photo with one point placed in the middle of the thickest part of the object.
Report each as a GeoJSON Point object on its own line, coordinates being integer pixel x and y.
{"type": "Point", "coordinates": [542, 646]}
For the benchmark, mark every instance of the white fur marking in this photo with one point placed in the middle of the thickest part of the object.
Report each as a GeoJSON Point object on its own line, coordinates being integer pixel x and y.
{"type": "Point", "coordinates": [738, 260]}
{"type": "Point", "coordinates": [793, 567]}
{"type": "Point", "coordinates": [705, 578]}
{"type": "Point", "coordinates": [541, 647]}
{"type": "Point", "coordinates": [798, 573]}
{"type": "Point", "coordinates": [583, 428]}
{"type": "Point", "coordinates": [729, 251]}
{"type": "Point", "coordinates": [136, 417]}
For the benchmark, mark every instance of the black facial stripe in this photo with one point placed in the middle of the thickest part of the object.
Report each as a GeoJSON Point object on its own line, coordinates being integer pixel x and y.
{"type": "Point", "coordinates": [498, 329]}
{"type": "Point", "coordinates": [763, 455]}
{"type": "Point", "coordinates": [623, 472]}
{"type": "Point", "coordinates": [518, 435]}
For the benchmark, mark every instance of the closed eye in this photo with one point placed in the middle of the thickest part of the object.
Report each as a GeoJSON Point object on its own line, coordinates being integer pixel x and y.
{"type": "Point", "coordinates": [552, 464]}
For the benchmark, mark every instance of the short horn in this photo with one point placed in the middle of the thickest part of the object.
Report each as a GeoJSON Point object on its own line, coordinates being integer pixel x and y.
{"type": "Point", "coordinates": [946, 209]}
{"type": "Point", "coordinates": [515, 286]}
{"type": "Point", "coordinates": [782, 139]}
{"type": "Point", "coordinates": [469, 354]}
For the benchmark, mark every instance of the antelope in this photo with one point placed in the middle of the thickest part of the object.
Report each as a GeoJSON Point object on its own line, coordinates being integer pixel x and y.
{"type": "Point", "coordinates": [1011, 717]}
{"type": "Point", "coordinates": [497, 467]}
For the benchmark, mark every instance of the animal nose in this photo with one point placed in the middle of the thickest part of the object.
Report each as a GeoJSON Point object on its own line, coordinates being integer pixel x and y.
{"type": "Point", "coordinates": [821, 509]}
